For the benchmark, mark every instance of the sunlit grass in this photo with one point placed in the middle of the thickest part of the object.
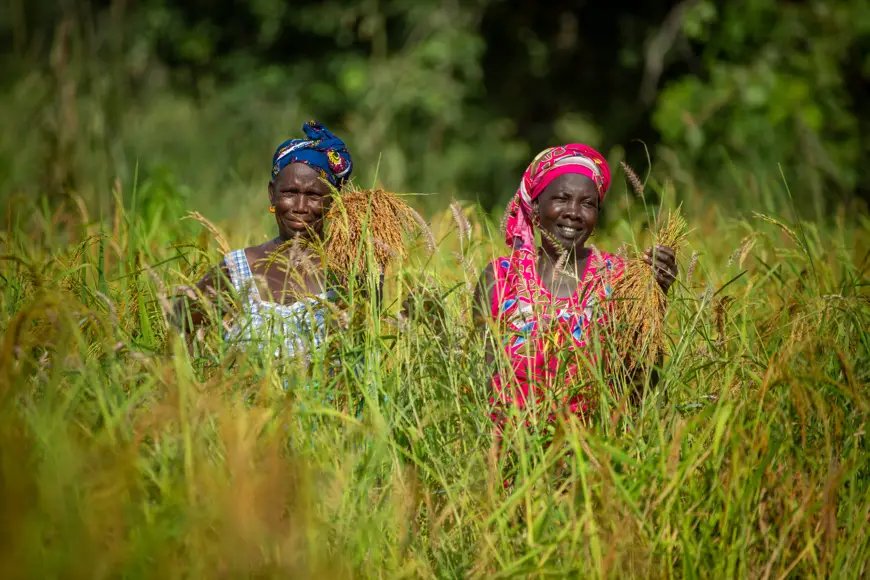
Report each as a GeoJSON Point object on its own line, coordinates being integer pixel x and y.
{"type": "Point", "coordinates": [126, 451]}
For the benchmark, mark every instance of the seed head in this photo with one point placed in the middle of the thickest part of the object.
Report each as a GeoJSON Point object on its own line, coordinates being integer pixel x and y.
{"type": "Point", "coordinates": [633, 179]}
{"type": "Point", "coordinates": [692, 263]}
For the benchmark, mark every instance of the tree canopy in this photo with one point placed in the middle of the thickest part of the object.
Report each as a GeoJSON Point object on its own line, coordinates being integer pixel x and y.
{"type": "Point", "coordinates": [449, 97]}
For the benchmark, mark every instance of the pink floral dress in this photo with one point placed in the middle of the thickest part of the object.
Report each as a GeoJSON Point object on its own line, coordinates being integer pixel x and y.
{"type": "Point", "coordinates": [546, 335]}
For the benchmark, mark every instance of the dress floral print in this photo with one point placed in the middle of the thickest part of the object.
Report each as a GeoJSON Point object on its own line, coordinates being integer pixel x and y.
{"type": "Point", "coordinates": [545, 335]}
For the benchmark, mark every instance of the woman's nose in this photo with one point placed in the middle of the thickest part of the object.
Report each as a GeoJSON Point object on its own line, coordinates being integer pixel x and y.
{"type": "Point", "coordinates": [297, 204]}
{"type": "Point", "coordinates": [572, 209]}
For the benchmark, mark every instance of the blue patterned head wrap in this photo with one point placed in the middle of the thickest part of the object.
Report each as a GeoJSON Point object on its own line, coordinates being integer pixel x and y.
{"type": "Point", "coordinates": [321, 150]}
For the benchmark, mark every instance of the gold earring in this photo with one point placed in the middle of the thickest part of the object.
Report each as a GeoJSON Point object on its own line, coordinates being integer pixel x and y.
{"type": "Point", "coordinates": [272, 208]}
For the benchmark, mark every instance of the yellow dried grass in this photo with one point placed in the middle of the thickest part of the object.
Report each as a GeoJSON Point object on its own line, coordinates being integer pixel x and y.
{"type": "Point", "coordinates": [219, 236]}
{"type": "Point", "coordinates": [639, 304]}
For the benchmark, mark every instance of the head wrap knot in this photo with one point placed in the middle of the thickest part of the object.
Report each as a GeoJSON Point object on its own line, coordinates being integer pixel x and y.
{"type": "Point", "coordinates": [544, 168]}
{"type": "Point", "coordinates": [321, 151]}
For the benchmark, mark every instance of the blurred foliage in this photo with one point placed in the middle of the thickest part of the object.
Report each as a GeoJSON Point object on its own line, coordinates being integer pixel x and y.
{"type": "Point", "coordinates": [778, 87]}
{"type": "Point", "coordinates": [438, 97]}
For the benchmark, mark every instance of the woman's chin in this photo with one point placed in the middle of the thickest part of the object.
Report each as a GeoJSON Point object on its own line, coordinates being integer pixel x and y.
{"type": "Point", "coordinates": [297, 229]}
{"type": "Point", "coordinates": [297, 234]}
{"type": "Point", "coordinates": [575, 244]}
{"type": "Point", "coordinates": [572, 243]}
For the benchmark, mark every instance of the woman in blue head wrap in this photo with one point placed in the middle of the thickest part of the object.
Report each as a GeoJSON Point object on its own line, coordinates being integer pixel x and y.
{"type": "Point", "coordinates": [279, 284]}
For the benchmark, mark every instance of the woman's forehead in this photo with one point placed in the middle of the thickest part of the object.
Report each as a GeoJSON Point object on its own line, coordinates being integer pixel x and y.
{"type": "Point", "coordinates": [572, 183]}
{"type": "Point", "coordinates": [299, 174]}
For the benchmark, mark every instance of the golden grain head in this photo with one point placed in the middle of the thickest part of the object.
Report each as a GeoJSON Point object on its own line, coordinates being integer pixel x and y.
{"type": "Point", "coordinates": [219, 236]}
{"type": "Point", "coordinates": [370, 215]}
{"type": "Point", "coordinates": [674, 231]}
{"type": "Point", "coordinates": [638, 303]}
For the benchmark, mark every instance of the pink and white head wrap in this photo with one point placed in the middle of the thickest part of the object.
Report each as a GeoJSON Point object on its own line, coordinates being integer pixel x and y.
{"type": "Point", "coordinates": [547, 166]}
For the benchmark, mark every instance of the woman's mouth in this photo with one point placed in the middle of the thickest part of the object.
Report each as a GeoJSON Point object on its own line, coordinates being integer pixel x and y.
{"type": "Point", "coordinates": [295, 223]}
{"type": "Point", "coordinates": [568, 232]}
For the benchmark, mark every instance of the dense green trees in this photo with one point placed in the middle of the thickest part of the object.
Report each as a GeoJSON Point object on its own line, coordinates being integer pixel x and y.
{"type": "Point", "coordinates": [449, 97]}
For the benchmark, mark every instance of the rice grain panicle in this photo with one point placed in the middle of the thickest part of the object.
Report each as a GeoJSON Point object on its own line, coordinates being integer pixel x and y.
{"type": "Point", "coordinates": [361, 215]}
{"type": "Point", "coordinates": [639, 304]}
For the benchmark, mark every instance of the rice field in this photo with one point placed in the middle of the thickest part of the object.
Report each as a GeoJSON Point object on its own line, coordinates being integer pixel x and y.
{"type": "Point", "coordinates": [128, 451]}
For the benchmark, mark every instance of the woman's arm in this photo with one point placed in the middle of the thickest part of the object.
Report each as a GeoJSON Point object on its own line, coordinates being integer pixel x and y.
{"type": "Point", "coordinates": [482, 306]}
{"type": "Point", "coordinates": [481, 309]}
{"type": "Point", "coordinates": [189, 312]}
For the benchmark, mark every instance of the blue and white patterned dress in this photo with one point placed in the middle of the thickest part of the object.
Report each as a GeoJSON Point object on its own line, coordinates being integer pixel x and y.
{"type": "Point", "coordinates": [291, 329]}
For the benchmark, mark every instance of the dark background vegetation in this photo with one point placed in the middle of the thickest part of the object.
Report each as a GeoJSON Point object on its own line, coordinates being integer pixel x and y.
{"type": "Point", "coordinates": [446, 97]}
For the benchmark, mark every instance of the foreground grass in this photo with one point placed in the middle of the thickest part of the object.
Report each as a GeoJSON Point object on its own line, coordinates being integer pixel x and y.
{"type": "Point", "coordinates": [122, 452]}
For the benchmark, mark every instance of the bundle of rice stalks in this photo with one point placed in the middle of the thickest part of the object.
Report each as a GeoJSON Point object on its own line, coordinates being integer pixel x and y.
{"type": "Point", "coordinates": [639, 304]}
{"type": "Point", "coordinates": [374, 215]}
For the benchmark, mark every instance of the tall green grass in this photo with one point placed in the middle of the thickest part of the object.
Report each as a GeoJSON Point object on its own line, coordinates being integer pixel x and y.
{"type": "Point", "coordinates": [125, 451]}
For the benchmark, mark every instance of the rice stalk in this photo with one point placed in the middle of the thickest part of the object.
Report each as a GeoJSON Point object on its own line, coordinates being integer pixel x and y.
{"type": "Point", "coordinates": [639, 304]}
{"type": "Point", "coordinates": [742, 250]}
{"type": "Point", "coordinates": [359, 216]}
{"type": "Point", "coordinates": [622, 252]}
{"type": "Point", "coordinates": [720, 317]}
{"type": "Point", "coordinates": [166, 310]}
{"type": "Point", "coordinates": [782, 226]}
{"type": "Point", "coordinates": [218, 234]}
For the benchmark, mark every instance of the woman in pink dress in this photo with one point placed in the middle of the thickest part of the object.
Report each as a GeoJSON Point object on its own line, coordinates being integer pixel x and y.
{"type": "Point", "coordinates": [547, 298]}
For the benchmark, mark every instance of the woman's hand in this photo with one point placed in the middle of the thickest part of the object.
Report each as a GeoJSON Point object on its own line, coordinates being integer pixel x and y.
{"type": "Point", "coordinates": [665, 266]}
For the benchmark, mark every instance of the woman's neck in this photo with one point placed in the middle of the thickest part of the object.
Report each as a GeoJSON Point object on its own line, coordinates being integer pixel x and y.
{"type": "Point", "coordinates": [564, 279]}
{"type": "Point", "coordinates": [568, 259]}
{"type": "Point", "coordinates": [289, 244]}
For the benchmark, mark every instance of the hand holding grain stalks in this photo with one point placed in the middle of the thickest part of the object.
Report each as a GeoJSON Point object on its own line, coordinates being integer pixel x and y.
{"type": "Point", "coordinates": [639, 302]}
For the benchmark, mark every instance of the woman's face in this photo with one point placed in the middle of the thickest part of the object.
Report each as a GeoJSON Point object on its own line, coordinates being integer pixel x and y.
{"type": "Point", "coordinates": [301, 200]}
{"type": "Point", "coordinates": [568, 210]}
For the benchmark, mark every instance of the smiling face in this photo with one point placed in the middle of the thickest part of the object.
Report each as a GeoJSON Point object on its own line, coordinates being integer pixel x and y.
{"type": "Point", "coordinates": [568, 211]}
{"type": "Point", "coordinates": [301, 200]}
